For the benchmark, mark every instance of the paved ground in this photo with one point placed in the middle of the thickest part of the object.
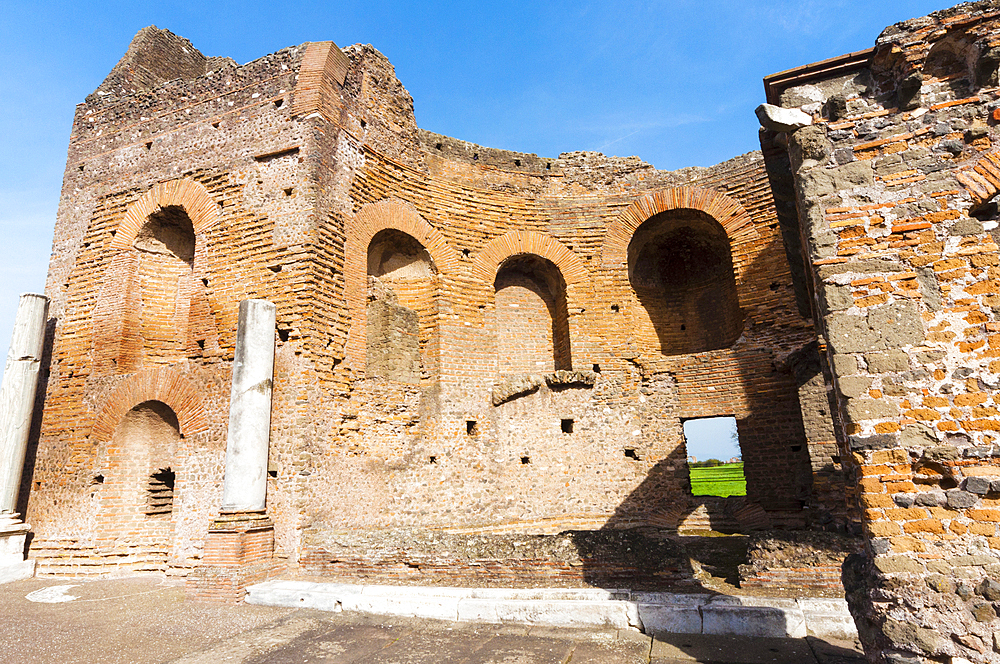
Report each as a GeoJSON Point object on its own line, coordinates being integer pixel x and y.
{"type": "Point", "coordinates": [147, 620]}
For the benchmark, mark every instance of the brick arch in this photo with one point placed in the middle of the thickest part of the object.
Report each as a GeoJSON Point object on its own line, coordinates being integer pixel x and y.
{"type": "Point", "coordinates": [157, 384]}
{"type": "Point", "coordinates": [728, 212]}
{"type": "Point", "coordinates": [389, 214]}
{"type": "Point", "coordinates": [199, 205]}
{"type": "Point", "coordinates": [394, 214]}
{"type": "Point", "coordinates": [499, 249]}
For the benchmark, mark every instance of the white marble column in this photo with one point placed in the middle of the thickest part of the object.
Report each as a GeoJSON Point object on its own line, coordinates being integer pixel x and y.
{"type": "Point", "coordinates": [245, 484]}
{"type": "Point", "coordinates": [17, 403]}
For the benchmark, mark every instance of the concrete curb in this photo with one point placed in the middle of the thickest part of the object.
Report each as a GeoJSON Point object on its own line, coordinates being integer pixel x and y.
{"type": "Point", "coordinates": [570, 607]}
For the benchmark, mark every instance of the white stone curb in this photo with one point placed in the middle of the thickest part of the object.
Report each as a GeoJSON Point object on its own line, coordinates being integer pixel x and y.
{"type": "Point", "coordinates": [570, 607]}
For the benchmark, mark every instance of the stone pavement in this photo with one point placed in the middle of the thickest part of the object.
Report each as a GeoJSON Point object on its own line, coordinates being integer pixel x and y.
{"type": "Point", "coordinates": [147, 620]}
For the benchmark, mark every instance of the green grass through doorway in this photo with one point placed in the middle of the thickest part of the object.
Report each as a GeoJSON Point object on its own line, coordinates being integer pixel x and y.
{"type": "Point", "coordinates": [724, 480]}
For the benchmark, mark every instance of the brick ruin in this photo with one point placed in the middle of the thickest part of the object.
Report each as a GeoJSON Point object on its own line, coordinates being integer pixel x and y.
{"type": "Point", "coordinates": [483, 359]}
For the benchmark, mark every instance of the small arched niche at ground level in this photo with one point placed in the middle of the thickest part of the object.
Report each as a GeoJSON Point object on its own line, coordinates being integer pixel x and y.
{"type": "Point", "coordinates": [681, 269]}
{"type": "Point", "coordinates": [532, 320]}
{"type": "Point", "coordinates": [147, 438]}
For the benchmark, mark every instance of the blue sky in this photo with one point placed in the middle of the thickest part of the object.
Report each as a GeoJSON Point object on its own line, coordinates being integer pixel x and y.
{"type": "Point", "coordinates": [672, 82]}
{"type": "Point", "coordinates": [711, 438]}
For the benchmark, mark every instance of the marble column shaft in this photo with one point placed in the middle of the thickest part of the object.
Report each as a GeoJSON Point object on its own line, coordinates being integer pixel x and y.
{"type": "Point", "coordinates": [245, 485]}
{"type": "Point", "coordinates": [17, 394]}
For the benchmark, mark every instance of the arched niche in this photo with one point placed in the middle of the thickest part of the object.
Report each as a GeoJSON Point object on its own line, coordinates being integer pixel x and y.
{"type": "Point", "coordinates": [153, 305]}
{"type": "Point", "coordinates": [400, 315]}
{"type": "Point", "coordinates": [137, 487]}
{"type": "Point", "coordinates": [360, 230]}
{"type": "Point", "coordinates": [396, 256]}
{"type": "Point", "coordinates": [681, 269]}
{"type": "Point", "coordinates": [532, 322]}
{"type": "Point", "coordinates": [165, 245]}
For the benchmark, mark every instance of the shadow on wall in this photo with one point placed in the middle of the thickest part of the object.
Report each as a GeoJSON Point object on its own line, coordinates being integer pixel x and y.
{"type": "Point", "coordinates": [746, 381]}
{"type": "Point", "coordinates": [637, 547]}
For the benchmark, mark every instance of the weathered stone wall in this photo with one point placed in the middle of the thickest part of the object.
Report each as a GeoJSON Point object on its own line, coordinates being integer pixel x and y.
{"type": "Point", "coordinates": [895, 180]}
{"type": "Point", "coordinates": [409, 390]}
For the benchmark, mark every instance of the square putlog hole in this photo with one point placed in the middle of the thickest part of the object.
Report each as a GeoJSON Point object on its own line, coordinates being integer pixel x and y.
{"type": "Point", "coordinates": [567, 425]}
{"type": "Point", "coordinates": [472, 427]}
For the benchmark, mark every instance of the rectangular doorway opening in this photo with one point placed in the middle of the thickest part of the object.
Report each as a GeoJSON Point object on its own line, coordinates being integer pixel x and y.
{"type": "Point", "coordinates": [714, 458]}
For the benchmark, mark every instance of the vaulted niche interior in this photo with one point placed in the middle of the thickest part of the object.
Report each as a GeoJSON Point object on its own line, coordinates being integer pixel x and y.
{"type": "Point", "coordinates": [396, 256]}
{"type": "Point", "coordinates": [681, 269]}
{"type": "Point", "coordinates": [401, 307]}
{"type": "Point", "coordinates": [532, 321]}
{"type": "Point", "coordinates": [166, 245]}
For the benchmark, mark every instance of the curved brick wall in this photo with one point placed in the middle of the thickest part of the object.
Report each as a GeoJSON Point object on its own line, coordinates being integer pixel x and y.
{"type": "Point", "coordinates": [393, 406]}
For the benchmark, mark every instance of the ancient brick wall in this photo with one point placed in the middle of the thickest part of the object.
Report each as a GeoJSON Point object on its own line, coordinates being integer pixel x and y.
{"type": "Point", "coordinates": [459, 346]}
{"type": "Point", "coordinates": [895, 181]}
{"type": "Point", "coordinates": [146, 316]}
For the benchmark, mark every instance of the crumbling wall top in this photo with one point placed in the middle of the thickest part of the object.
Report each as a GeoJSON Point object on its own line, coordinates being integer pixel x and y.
{"type": "Point", "coordinates": [156, 56]}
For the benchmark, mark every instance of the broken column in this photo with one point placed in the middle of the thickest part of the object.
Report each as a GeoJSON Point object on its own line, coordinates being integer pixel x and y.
{"type": "Point", "coordinates": [17, 401]}
{"type": "Point", "coordinates": [240, 542]}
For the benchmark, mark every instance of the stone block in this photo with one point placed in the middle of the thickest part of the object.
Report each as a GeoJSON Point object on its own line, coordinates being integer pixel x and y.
{"type": "Point", "coordinates": [764, 618]}
{"type": "Point", "coordinates": [871, 409]}
{"type": "Point", "coordinates": [18, 571]}
{"type": "Point", "coordinates": [889, 361]}
{"type": "Point", "coordinates": [917, 435]}
{"type": "Point", "coordinates": [781, 119]}
{"type": "Point", "coordinates": [564, 613]}
{"type": "Point", "coordinates": [828, 618]}
{"type": "Point", "coordinates": [977, 485]}
{"type": "Point", "coordinates": [890, 326]}
{"type": "Point", "coordinates": [961, 500]}
{"type": "Point", "coordinates": [670, 618]}
{"type": "Point", "coordinates": [853, 387]}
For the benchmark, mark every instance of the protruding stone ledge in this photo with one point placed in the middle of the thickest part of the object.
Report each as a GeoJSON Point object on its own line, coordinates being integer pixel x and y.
{"type": "Point", "coordinates": [779, 119]}
{"type": "Point", "coordinates": [517, 386]}
{"type": "Point", "coordinates": [559, 379]}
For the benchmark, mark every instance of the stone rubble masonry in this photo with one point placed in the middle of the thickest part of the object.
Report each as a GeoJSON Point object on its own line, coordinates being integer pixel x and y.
{"type": "Point", "coordinates": [895, 182]}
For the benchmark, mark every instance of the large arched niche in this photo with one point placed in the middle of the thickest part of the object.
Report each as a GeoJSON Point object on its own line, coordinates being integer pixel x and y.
{"type": "Point", "coordinates": [680, 268]}
{"type": "Point", "coordinates": [400, 315]}
{"type": "Point", "coordinates": [361, 229]}
{"type": "Point", "coordinates": [532, 322]}
{"type": "Point", "coordinates": [152, 307]}
{"type": "Point", "coordinates": [166, 246]}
